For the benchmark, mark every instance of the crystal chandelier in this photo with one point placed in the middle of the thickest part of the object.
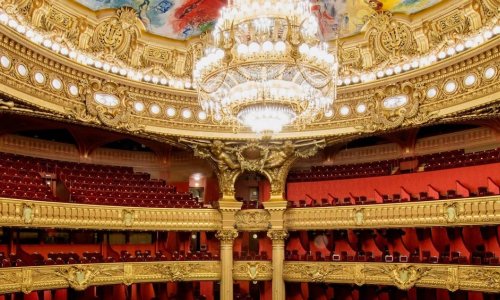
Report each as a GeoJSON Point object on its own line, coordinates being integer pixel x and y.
{"type": "Point", "coordinates": [265, 66]}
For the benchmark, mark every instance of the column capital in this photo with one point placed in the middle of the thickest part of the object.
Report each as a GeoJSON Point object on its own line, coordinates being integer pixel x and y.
{"type": "Point", "coordinates": [227, 235]}
{"type": "Point", "coordinates": [277, 235]}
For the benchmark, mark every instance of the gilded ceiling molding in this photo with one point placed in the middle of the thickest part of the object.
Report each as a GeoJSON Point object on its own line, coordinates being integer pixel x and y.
{"type": "Point", "coordinates": [81, 276]}
{"type": "Point", "coordinates": [106, 103]}
{"type": "Point", "coordinates": [459, 212]}
{"type": "Point", "coordinates": [273, 159]}
{"type": "Point", "coordinates": [403, 276]}
{"type": "Point", "coordinates": [50, 82]}
{"type": "Point", "coordinates": [46, 214]}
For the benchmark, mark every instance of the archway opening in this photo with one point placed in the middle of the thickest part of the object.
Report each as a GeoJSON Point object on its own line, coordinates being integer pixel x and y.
{"type": "Point", "coordinates": [252, 188]}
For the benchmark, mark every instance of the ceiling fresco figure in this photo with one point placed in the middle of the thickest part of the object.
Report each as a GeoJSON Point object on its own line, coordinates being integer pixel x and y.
{"type": "Point", "coordinates": [182, 19]}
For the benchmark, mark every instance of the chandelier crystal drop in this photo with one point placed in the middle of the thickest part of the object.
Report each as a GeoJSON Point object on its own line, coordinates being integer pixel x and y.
{"type": "Point", "coordinates": [266, 66]}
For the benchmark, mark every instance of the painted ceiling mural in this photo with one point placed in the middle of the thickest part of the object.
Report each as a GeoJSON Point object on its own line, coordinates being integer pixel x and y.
{"type": "Point", "coordinates": [181, 19]}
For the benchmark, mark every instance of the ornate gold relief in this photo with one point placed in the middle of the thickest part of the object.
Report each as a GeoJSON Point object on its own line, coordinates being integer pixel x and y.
{"type": "Point", "coordinates": [28, 213]}
{"type": "Point", "coordinates": [467, 211]}
{"type": "Point", "coordinates": [174, 272]}
{"type": "Point", "coordinates": [403, 276]}
{"type": "Point", "coordinates": [277, 235]}
{"type": "Point", "coordinates": [394, 106]}
{"type": "Point", "coordinates": [15, 213]}
{"type": "Point", "coordinates": [390, 40]}
{"type": "Point", "coordinates": [116, 35]}
{"type": "Point", "coordinates": [451, 212]}
{"type": "Point", "coordinates": [115, 108]}
{"type": "Point", "coordinates": [446, 28]}
{"type": "Point", "coordinates": [79, 277]}
{"type": "Point", "coordinates": [252, 270]}
{"type": "Point", "coordinates": [253, 220]}
{"type": "Point", "coordinates": [270, 158]}
{"type": "Point", "coordinates": [226, 235]}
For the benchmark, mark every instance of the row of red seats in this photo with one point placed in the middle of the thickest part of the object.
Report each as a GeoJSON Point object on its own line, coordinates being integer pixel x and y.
{"type": "Point", "coordinates": [141, 202]}
{"type": "Point", "coordinates": [50, 166]}
{"type": "Point", "coordinates": [445, 258]}
{"type": "Point", "coordinates": [249, 255]}
{"type": "Point", "coordinates": [395, 198]}
{"type": "Point", "coordinates": [90, 184]}
{"type": "Point", "coordinates": [36, 259]}
{"type": "Point", "coordinates": [437, 161]}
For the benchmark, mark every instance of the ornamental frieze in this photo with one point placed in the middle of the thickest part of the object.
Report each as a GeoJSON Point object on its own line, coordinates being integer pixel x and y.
{"type": "Point", "coordinates": [402, 276]}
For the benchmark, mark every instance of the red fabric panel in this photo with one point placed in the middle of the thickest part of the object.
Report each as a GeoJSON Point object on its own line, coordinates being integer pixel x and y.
{"type": "Point", "coordinates": [172, 288]}
{"type": "Point", "coordinates": [181, 187]}
{"type": "Point", "coordinates": [293, 243]}
{"type": "Point", "coordinates": [264, 191]}
{"type": "Point", "coordinates": [133, 292]}
{"type": "Point", "coordinates": [266, 292]}
{"type": "Point", "coordinates": [404, 194]}
{"type": "Point", "coordinates": [293, 291]}
{"type": "Point", "coordinates": [493, 187]}
{"type": "Point", "coordinates": [172, 243]}
{"type": "Point", "coordinates": [410, 239]}
{"type": "Point", "coordinates": [304, 240]}
{"type": "Point", "coordinates": [462, 190]}
{"type": "Point", "coordinates": [342, 245]}
{"type": "Point", "coordinates": [472, 237]}
{"type": "Point", "coordinates": [412, 294]}
{"type": "Point", "coordinates": [47, 295]}
{"type": "Point", "coordinates": [432, 192]}
{"type": "Point", "coordinates": [305, 290]}
{"type": "Point", "coordinates": [378, 196]}
{"type": "Point", "coordinates": [352, 238]}
{"type": "Point", "coordinates": [265, 244]}
{"type": "Point", "coordinates": [317, 292]}
{"type": "Point", "coordinates": [427, 245]}
{"type": "Point", "coordinates": [31, 296]}
{"type": "Point", "coordinates": [212, 192]}
{"type": "Point", "coordinates": [146, 291]}
{"type": "Point", "coordinates": [61, 294]}
{"type": "Point", "coordinates": [413, 183]}
{"type": "Point", "coordinates": [399, 246]}
{"type": "Point", "coordinates": [369, 245]}
{"type": "Point", "coordinates": [119, 292]}
{"type": "Point", "coordinates": [475, 295]}
{"type": "Point", "coordinates": [439, 238]}
{"type": "Point", "coordinates": [457, 244]}
{"type": "Point", "coordinates": [493, 242]}
{"type": "Point", "coordinates": [237, 244]}
{"type": "Point", "coordinates": [244, 286]}
{"type": "Point", "coordinates": [207, 289]}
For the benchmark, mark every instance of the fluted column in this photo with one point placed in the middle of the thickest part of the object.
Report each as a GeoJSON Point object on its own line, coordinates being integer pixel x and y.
{"type": "Point", "coordinates": [226, 237]}
{"type": "Point", "coordinates": [278, 237]}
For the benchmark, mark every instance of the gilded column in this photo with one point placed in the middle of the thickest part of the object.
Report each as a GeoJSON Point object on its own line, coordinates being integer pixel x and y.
{"type": "Point", "coordinates": [226, 237]}
{"type": "Point", "coordinates": [278, 237]}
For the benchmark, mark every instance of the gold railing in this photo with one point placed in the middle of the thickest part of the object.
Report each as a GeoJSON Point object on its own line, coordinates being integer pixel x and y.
{"type": "Point", "coordinates": [456, 212]}
{"type": "Point", "coordinates": [252, 270]}
{"type": "Point", "coordinates": [14, 212]}
{"type": "Point", "coordinates": [403, 276]}
{"type": "Point", "coordinates": [81, 276]}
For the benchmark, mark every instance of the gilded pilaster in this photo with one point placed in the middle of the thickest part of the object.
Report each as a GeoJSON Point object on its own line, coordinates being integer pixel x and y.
{"type": "Point", "coordinates": [277, 234]}
{"type": "Point", "coordinates": [278, 237]}
{"type": "Point", "coordinates": [226, 237]}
